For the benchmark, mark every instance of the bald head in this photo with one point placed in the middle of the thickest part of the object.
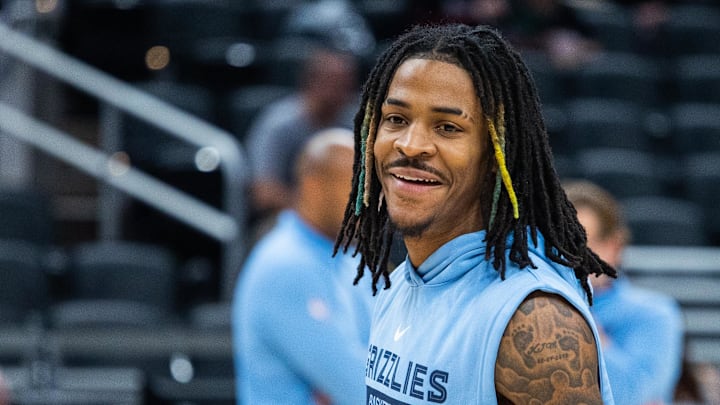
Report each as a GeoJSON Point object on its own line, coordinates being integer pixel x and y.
{"type": "Point", "coordinates": [324, 177]}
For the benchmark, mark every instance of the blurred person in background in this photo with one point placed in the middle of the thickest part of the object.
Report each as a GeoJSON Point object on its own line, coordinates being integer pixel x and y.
{"type": "Point", "coordinates": [325, 98]}
{"type": "Point", "coordinates": [549, 26]}
{"type": "Point", "coordinates": [648, 17]}
{"type": "Point", "coordinates": [300, 327]}
{"type": "Point", "coordinates": [699, 383]}
{"type": "Point", "coordinates": [641, 331]}
{"type": "Point", "coordinates": [553, 26]}
{"type": "Point", "coordinates": [4, 391]}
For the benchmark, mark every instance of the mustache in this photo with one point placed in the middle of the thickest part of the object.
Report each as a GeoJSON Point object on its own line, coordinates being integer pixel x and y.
{"type": "Point", "coordinates": [404, 161]}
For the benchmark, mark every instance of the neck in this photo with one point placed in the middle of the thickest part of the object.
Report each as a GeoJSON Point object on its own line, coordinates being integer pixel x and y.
{"type": "Point", "coordinates": [313, 219]}
{"type": "Point", "coordinates": [422, 246]}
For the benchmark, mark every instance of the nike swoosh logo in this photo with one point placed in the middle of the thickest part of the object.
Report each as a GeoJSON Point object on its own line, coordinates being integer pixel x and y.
{"type": "Point", "coordinates": [400, 332]}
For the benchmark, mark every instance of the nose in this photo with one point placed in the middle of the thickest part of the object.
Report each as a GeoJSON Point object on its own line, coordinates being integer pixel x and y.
{"type": "Point", "coordinates": [415, 142]}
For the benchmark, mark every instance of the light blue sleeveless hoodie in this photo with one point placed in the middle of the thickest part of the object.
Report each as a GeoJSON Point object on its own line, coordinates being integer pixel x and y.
{"type": "Point", "coordinates": [436, 332]}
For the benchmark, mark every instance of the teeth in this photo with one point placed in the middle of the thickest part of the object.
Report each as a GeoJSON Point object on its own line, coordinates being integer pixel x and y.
{"type": "Point", "coordinates": [429, 181]}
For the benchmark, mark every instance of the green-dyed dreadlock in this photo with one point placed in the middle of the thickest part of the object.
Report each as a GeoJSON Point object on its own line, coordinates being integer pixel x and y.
{"type": "Point", "coordinates": [527, 192]}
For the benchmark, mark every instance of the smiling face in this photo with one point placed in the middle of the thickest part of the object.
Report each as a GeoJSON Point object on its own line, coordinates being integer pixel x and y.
{"type": "Point", "coordinates": [431, 154]}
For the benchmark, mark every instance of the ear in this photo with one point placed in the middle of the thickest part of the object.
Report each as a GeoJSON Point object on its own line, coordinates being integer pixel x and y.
{"type": "Point", "coordinates": [616, 244]}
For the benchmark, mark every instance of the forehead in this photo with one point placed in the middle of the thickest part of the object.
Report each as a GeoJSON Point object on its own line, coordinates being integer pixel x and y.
{"type": "Point", "coordinates": [434, 77]}
{"type": "Point", "coordinates": [589, 219]}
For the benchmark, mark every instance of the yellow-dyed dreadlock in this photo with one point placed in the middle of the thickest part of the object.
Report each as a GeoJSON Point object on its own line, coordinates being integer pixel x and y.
{"type": "Point", "coordinates": [497, 135]}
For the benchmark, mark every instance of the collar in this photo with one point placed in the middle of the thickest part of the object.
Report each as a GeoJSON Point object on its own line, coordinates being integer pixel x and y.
{"type": "Point", "coordinates": [458, 256]}
{"type": "Point", "coordinates": [450, 262]}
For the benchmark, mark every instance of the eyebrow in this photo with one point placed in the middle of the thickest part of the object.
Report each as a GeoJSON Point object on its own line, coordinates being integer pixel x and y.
{"type": "Point", "coordinates": [445, 110]}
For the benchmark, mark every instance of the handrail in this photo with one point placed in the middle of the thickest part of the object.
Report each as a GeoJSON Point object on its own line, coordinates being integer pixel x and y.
{"type": "Point", "coordinates": [672, 259]}
{"type": "Point", "coordinates": [100, 165]}
{"type": "Point", "coordinates": [171, 119]}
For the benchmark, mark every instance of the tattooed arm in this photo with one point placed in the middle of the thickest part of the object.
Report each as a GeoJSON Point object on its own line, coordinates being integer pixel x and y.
{"type": "Point", "coordinates": [547, 355]}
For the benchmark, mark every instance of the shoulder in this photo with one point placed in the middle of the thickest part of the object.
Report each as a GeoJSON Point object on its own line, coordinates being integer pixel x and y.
{"type": "Point", "coordinates": [288, 106]}
{"type": "Point", "coordinates": [283, 114]}
{"type": "Point", "coordinates": [281, 257]}
{"type": "Point", "coordinates": [548, 353]}
{"type": "Point", "coordinates": [642, 302]}
{"type": "Point", "coordinates": [655, 299]}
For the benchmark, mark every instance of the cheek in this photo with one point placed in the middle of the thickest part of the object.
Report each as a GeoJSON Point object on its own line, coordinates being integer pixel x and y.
{"type": "Point", "coordinates": [603, 250]}
{"type": "Point", "coordinates": [381, 148]}
{"type": "Point", "coordinates": [468, 164]}
{"type": "Point", "coordinates": [342, 192]}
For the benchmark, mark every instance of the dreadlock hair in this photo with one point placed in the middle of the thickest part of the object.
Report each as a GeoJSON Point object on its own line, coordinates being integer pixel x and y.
{"type": "Point", "coordinates": [527, 196]}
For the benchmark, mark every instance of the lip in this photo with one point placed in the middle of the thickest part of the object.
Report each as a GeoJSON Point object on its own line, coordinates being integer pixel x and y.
{"type": "Point", "coordinates": [415, 176]}
{"type": "Point", "coordinates": [410, 181]}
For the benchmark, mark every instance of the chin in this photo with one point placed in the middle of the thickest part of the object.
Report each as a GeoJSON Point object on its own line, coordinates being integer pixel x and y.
{"type": "Point", "coordinates": [410, 228]}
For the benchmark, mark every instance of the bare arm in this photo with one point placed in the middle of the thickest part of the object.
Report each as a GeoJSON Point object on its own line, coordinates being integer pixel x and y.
{"type": "Point", "coordinates": [547, 355]}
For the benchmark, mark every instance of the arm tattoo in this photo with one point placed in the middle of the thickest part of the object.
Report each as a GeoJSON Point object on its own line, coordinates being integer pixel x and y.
{"type": "Point", "coordinates": [547, 355]}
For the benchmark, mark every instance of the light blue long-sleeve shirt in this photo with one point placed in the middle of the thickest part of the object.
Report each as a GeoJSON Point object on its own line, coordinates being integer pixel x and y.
{"type": "Point", "coordinates": [299, 324]}
{"type": "Point", "coordinates": [644, 355]}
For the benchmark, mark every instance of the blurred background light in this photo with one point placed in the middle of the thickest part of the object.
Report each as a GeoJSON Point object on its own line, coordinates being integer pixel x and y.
{"type": "Point", "coordinates": [118, 164]}
{"type": "Point", "coordinates": [157, 57]}
{"type": "Point", "coordinates": [45, 6]}
{"type": "Point", "coordinates": [240, 54]}
{"type": "Point", "coordinates": [207, 159]}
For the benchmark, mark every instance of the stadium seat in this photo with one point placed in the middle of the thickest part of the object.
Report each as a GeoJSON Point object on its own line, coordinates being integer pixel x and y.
{"type": "Point", "coordinates": [691, 28]}
{"type": "Point", "coordinates": [565, 166]}
{"type": "Point", "coordinates": [212, 43]}
{"type": "Point", "coordinates": [386, 19]}
{"type": "Point", "coordinates": [623, 172]}
{"type": "Point", "coordinates": [701, 178]}
{"type": "Point", "coordinates": [550, 81]}
{"type": "Point", "coordinates": [604, 122]}
{"type": "Point", "coordinates": [695, 128]}
{"type": "Point", "coordinates": [75, 385]}
{"type": "Point", "coordinates": [657, 220]}
{"type": "Point", "coordinates": [105, 313]}
{"type": "Point", "coordinates": [697, 78]}
{"type": "Point", "coordinates": [26, 214]}
{"type": "Point", "coordinates": [118, 290]}
{"type": "Point", "coordinates": [620, 75]}
{"type": "Point", "coordinates": [23, 281]}
{"type": "Point", "coordinates": [210, 316]}
{"type": "Point", "coordinates": [556, 122]}
{"type": "Point", "coordinates": [122, 270]}
{"type": "Point", "coordinates": [611, 25]}
{"type": "Point", "coordinates": [200, 377]}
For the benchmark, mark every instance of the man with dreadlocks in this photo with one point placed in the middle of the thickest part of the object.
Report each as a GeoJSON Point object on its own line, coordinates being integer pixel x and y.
{"type": "Point", "coordinates": [492, 303]}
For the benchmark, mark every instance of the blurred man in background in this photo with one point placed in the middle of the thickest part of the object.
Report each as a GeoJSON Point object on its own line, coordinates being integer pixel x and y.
{"type": "Point", "coordinates": [300, 327]}
{"type": "Point", "coordinates": [641, 331]}
{"type": "Point", "coordinates": [327, 89]}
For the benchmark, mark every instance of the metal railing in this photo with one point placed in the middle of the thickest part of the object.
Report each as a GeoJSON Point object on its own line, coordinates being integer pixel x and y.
{"type": "Point", "coordinates": [115, 97]}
